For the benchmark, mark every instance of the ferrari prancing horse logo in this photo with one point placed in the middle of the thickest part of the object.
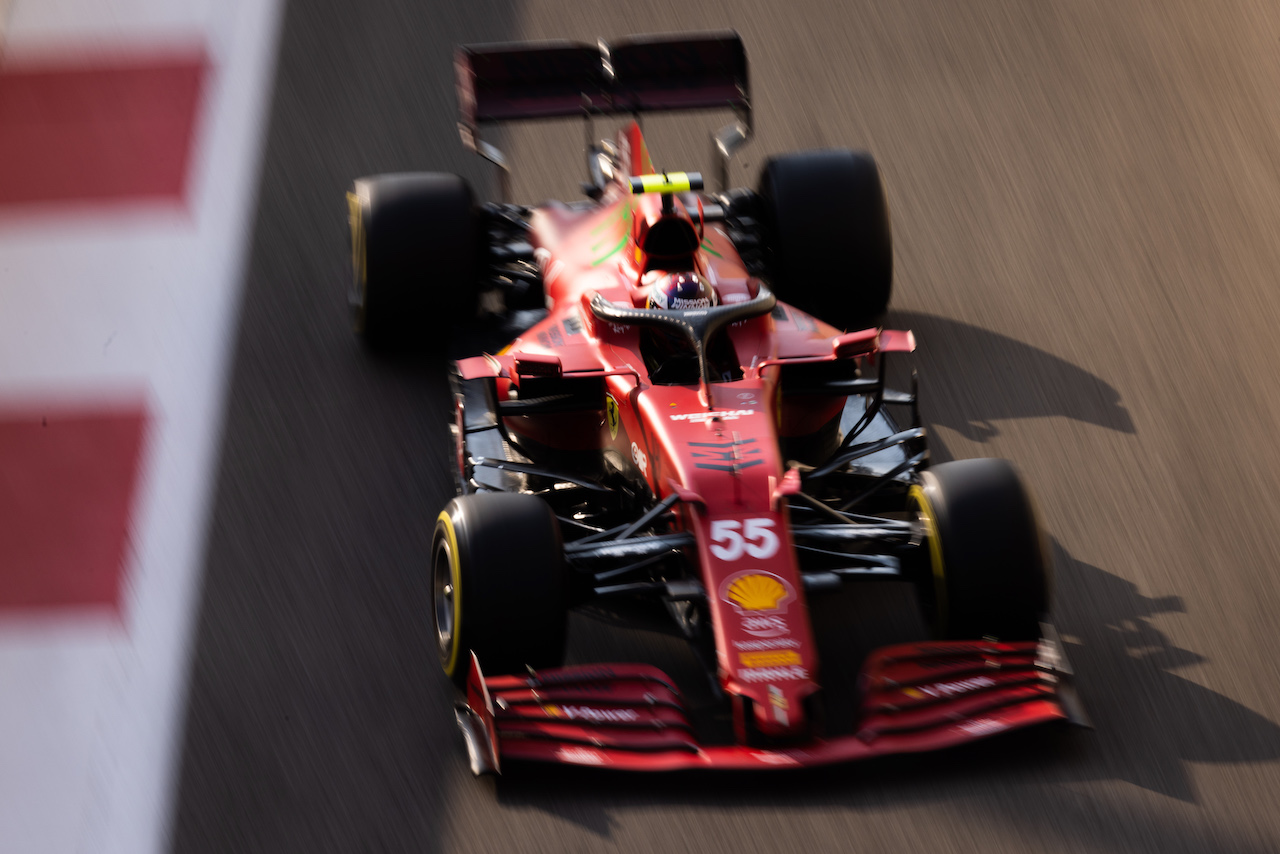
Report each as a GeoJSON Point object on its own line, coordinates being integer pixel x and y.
{"type": "Point", "coordinates": [611, 415]}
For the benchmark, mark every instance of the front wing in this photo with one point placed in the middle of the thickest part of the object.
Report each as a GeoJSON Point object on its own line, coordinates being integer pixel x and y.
{"type": "Point", "coordinates": [914, 698]}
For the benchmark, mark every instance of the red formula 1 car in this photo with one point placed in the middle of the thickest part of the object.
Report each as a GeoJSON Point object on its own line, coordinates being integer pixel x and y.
{"type": "Point", "coordinates": [678, 440]}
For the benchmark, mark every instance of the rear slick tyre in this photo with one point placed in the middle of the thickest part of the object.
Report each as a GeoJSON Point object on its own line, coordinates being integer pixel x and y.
{"type": "Point", "coordinates": [415, 253]}
{"type": "Point", "coordinates": [830, 246]}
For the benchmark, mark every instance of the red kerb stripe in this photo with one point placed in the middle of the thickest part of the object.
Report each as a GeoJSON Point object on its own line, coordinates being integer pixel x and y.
{"type": "Point", "coordinates": [67, 484]}
{"type": "Point", "coordinates": [111, 130]}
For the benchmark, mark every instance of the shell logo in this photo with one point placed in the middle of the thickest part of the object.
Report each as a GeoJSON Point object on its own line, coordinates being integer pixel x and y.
{"type": "Point", "coordinates": [758, 592]}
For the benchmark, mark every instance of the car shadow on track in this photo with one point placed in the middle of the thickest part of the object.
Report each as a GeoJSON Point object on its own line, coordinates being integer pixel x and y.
{"type": "Point", "coordinates": [1001, 378]}
{"type": "Point", "coordinates": [1150, 723]}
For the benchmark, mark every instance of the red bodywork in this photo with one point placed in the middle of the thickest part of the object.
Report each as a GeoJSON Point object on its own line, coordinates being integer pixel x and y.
{"type": "Point", "coordinates": [721, 455]}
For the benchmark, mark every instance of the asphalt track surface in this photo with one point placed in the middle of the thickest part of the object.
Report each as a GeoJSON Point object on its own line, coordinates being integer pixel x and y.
{"type": "Point", "coordinates": [1085, 200]}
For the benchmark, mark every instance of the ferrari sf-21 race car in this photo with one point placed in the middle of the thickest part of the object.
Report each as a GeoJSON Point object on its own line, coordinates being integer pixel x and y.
{"type": "Point", "coordinates": [694, 434]}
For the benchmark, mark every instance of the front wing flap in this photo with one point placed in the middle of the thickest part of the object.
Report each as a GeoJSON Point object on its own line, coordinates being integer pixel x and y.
{"type": "Point", "coordinates": [915, 697]}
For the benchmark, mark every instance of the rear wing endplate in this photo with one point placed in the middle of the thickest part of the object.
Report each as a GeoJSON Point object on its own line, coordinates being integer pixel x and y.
{"type": "Point", "coordinates": [652, 73]}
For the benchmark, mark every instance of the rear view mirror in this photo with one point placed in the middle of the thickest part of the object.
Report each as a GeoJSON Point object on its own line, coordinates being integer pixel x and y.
{"type": "Point", "coordinates": [536, 365]}
{"type": "Point", "coordinates": [852, 344]}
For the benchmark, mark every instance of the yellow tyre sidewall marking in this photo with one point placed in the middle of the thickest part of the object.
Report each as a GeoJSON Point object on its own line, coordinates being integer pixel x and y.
{"type": "Point", "coordinates": [934, 546]}
{"type": "Point", "coordinates": [359, 260]}
{"type": "Point", "coordinates": [455, 575]}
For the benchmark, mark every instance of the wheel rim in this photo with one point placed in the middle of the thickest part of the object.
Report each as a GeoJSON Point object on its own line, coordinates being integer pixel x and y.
{"type": "Point", "coordinates": [357, 293]}
{"type": "Point", "coordinates": [443, 594]}
{"type": "Point", "coordinates": [933, 547]}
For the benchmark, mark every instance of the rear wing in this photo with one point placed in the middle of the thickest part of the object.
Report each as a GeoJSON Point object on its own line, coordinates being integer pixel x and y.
{"type": "Point", "coordinates": [541, 80]}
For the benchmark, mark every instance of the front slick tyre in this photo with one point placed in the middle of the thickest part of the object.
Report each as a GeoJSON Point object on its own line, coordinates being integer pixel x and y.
{"type": "Point", "coordinates": [498, 585]}
{"type": "Point", "coordinates": [987, 572]}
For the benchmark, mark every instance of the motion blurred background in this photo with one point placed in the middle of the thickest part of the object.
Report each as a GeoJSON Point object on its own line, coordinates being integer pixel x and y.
{"type": "Point", "coordinates": [1085, 199]}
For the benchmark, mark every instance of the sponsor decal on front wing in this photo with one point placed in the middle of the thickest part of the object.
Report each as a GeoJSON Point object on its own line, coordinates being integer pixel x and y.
{"type": "Point", "coordinates": [949, 689]}
{"type": "Point", "coordinates": [983, 726]}
{"type": "Point", "coordinates": [775, 758]}
{"type": "Point", "coordinates": [586, 713]}
{"type": "Point", "coordinates": [581, 756]}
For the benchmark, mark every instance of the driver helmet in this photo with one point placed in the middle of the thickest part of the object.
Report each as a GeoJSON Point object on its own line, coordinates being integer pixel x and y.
{"type": "Point", "coordinates": [678, 291]}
